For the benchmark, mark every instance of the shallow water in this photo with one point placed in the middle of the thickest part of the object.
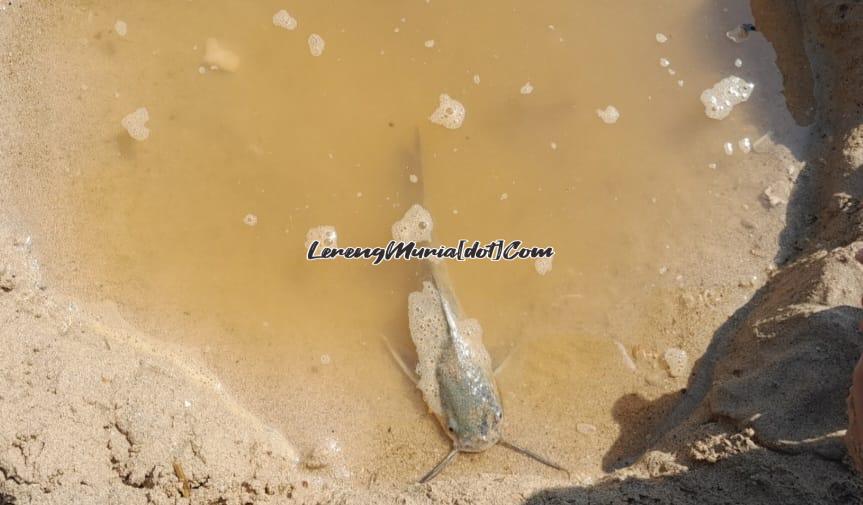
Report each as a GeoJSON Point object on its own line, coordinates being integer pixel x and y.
{"type": "Point", "coordinates": [300, 141]}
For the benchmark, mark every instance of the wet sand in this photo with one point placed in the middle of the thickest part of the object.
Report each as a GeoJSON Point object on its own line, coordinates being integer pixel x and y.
{"type": "Point", "coordinates": [78, 375]}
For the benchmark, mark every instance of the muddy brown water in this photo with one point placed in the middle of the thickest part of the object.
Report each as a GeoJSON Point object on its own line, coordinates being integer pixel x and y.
{"type": "Point", "coordinates": [300, 141]}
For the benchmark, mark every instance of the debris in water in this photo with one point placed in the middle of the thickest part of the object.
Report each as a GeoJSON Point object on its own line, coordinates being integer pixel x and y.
{"type": "Point", "coordinates": [121, 28]}
{"type": "Point", "coordinates": [724, 95]}
{"type": "Point", "coordinates": [325, 235]}
{"type": "Point", "coordinates": [676, 361]}
{"type": "Point", "coordinates": [543, 265]}
{"type": "Point", "coordinates": [526, 89]}
{"type": "Point", "coordinates": [738, 63]}
{"type": "Point", "coordinates": [745, 145]}
{"type": "Point", "coordinates": [250, 219]}
{"type": "Point", "coordinates": [217, 56]}
{"type": "Point", "coordinates": [740, 33]}
{"type": "Point", "coordinates": [415, 226]}
{"type": "Point", "coordinates": [429, 43]}
{"type": "Point", "coordinates": [135, 124]}
{"type": "Point", "coordinates": [316, 44]}
{"type": "Point", "coordinates": [664, 62]}
{"type": "Point", "coordinates": [609, 115]}
{"type": "Point", "coordinates": [661, 38]}
{"type": "Point", "coordinates": [449, 113]}
{"type": "Point", "coordinates": [729, 148]}
{"type": "Point", "coordinates": [284, 20]}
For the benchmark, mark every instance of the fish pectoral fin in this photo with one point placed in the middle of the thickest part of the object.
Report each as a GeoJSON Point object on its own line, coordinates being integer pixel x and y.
{"type": "Point", "coordinates": [438, 468]}
{"type": "Point", "coordinates": [400, 362]}
{"type": "Point", "coordinates": [534, 456]}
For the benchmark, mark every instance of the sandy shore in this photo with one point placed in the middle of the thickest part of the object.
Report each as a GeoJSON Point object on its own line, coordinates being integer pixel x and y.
{"type": "Point", "coordinates": [95, 412]}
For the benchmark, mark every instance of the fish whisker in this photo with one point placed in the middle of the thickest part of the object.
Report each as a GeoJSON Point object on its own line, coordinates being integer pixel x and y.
{"type": "Point", "coordinates": [534, 456]}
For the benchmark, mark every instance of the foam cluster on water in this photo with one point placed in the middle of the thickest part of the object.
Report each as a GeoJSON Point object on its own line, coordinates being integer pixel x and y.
{"type": "Point", "coordinates": [724, 95]}
{"type": "Point", "coordinates": [430, 333]}
{"type": "Point", "coordinates": [121, 28]}
{"type": "Point", "coordinates": [415, 226]}
{"type": "Point", "coordinates": [283, 19]}
{"type": "Point", "coordinates": [316, 44]}
{"type": "Point", "coordinates": [217, 56]}
{"type": "Point", "coordinates": [450, 113]}
{"type": "Point", "coordinates": [609, 115]}
{"type": "Point", "coordinates": [136, 124]}
{"type": "Point", "coordinates": [543, 265]}
{"type": "Point", "coordinates": [325, 235]}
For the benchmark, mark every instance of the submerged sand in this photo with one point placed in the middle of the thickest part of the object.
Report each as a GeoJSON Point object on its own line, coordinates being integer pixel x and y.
{"type": "Point", "coordinates": [96, 412]}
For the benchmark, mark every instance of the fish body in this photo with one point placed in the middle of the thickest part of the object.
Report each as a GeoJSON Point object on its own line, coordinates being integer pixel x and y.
{"type": "Point", "coordinates": [471, 409]}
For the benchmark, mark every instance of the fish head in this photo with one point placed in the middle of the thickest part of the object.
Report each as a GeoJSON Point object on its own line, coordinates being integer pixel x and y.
{"type": "Point", "coordinates": [474, 425]}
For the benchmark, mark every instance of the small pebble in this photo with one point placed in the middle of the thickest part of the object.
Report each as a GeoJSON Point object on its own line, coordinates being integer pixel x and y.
{"type": "Point", "coordinates": [676, 361]}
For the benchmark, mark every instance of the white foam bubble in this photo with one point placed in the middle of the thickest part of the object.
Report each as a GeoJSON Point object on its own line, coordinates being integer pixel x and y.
{"type": "Point", "coordinates": [724, 96]}
{"type": "Point", "coordinates": [217, 57]}
{"type": "Point", "coordinates": [543, 265]}
{"type": "Point", "coordinates": [450, 113]}
{"type": "Point", "coordinates": [738, 63]}
{"type": "Point", "coordinates": [135, 124]}
{"type": "Point", "coordinates": [476, 79]}
{"type": "Point", "coordinates": [316, 44]}
{"type": "Point", "coordinates": [676, 361]}
{"type": "Point", "coordinates": [661, 38]}
{"type": "Point", "coordinates": [664, 62]}
{"type": "Point", "coordinates": [121, 28]}
{"type": "Point", "coordinates": [609, 115]}
{"type": "Point", "coordinates": [745, 145]}
{"type": "Point", "coordinates": [415, 226]}
{"type": "Point", "coordinates": [429, 43]}
{"type": "Point", "coordinates": [325, 235]}
{"type": "Point", "coordinates": [250, 219]}
{"type": "Point", "coordinates": [526, 89]}
{"type": "Point", "coordinates": [283, 19]}
{"type": "Point", "coordinates": [728, 147]}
